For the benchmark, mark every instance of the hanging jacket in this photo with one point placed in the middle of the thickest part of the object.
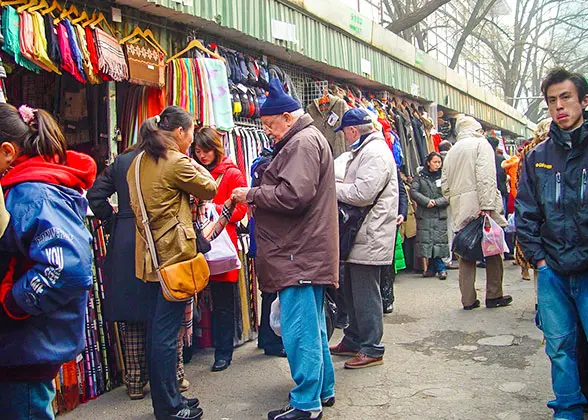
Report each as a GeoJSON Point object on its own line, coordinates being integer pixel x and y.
{"type": "Point", "coordinates": [45, 266]}
{"type": "Point", "coordinates": [551, 205]}
{"type": "Point", "coordinates": [232, 178]}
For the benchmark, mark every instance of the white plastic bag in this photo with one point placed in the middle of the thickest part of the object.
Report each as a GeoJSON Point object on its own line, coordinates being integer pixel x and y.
{"type": "Point", "coordinates": [223, 256]}
{"type": "Point", "coordinates": [275, 317]}
{"type": "Point", "coordinates": [511, 228]}
{"type": "Point", "coordinates": [493, 242]}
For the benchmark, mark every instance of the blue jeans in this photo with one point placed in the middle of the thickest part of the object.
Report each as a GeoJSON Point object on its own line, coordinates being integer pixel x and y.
{"type": "Point", "coordinates": [562, 303]}
{"type": "Point", "coordinates": [27, 400]}
{"type": "Point", "coordinates": [304, 333]}
{"type": "Point", "coordinates": [437, 265]}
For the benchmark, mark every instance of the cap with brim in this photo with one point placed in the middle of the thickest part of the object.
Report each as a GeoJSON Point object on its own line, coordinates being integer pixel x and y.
{"type": "Point", "coordinates": [354, 117]}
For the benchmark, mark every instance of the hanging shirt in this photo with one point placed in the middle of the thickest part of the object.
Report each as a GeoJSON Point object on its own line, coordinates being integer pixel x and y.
{"type": "Point", "coordinates": [10, 31]}
{"type": "Point", "coordinates": [52, 42]}
{"type": "Point", "coordinates": [92, 77]}
{"type": "Point", "coordinates": [219, 93]}
{"type": "Point", "coordinates": [67, 62]}
{"type": "Point", "coordinates": [40, 42]}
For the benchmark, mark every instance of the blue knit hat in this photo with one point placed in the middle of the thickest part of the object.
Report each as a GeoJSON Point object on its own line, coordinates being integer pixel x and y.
{"type": "Point", "coordinates": [278, 101]}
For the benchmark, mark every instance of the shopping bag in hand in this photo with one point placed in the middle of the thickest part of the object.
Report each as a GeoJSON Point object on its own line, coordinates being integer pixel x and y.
{"type": "Point", "coordinates": [467, 243]}
{"type": "Point", "coordinates": [222, 256]}
{"type": "Point", "coordinates": [275, 317]}
{"type": "Point", "coordinates": [493, 242]}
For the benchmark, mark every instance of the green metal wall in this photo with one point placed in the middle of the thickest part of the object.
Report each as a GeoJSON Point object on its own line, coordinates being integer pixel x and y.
{"type": "Point", "coordinates": [337, 48]}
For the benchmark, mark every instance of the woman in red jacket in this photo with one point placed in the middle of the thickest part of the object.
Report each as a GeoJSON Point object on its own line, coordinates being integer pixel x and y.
{"type": "Point", "coordinates": [209, 151]}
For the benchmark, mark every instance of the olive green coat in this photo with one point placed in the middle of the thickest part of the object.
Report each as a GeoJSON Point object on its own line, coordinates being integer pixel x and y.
{"type": "Point", "coordinates": [167, 185]}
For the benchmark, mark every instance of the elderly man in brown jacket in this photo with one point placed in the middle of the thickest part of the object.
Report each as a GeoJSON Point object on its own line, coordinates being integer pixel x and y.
{"type": "Point", "coordinates": [297, 239]}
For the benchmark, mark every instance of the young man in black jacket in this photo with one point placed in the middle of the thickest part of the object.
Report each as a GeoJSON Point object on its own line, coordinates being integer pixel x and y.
{"type": "Point", "coordinates": [552, 227]}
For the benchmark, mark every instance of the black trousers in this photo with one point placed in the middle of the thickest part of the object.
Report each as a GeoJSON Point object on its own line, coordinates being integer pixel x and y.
{"type": "Point", "coordinates": [267, 339]}
{"type": "Point", "coordinates": [163, 328]}
{"type": "Point", "coordinates": [223, 319]}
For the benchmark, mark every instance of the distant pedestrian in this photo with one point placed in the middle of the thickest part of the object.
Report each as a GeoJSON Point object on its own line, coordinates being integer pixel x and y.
{"type": "Point", "coordinates": [469, 182]}
{"type": "Point", "coordinates": [371, 179]}
{"type": "Point", "coordinates": [552, 229]}
{"type": "Point", "coordinates": [431, 216]}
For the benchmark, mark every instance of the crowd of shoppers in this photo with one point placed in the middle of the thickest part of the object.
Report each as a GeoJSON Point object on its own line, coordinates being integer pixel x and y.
{"type": "Point", "coordinates": [45, 263]}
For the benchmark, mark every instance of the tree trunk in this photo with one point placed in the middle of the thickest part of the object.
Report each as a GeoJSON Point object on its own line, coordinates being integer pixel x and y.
{"type": "Point", "coordinates": [416, 16]}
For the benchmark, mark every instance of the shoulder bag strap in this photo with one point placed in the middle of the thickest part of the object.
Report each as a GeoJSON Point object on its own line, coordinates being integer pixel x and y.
{"type": "Point", "coordinates": [145, 218]}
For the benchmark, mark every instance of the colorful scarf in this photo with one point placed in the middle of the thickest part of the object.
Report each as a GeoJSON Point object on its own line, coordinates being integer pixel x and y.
{"type": "Point", "coordinates": [111, 57]}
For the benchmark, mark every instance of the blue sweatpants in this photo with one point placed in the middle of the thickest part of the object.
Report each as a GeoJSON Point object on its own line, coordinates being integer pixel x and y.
{"type": "Point", "coordinates": [304, 333]}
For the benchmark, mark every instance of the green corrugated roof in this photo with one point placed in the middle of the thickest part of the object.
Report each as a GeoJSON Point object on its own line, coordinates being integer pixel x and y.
{"type": "Point", "coordinates": [332, 34]}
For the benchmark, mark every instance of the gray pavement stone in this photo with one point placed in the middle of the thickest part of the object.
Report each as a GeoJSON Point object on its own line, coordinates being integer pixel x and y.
{"type": "Point", "coordinates": [424, 377]}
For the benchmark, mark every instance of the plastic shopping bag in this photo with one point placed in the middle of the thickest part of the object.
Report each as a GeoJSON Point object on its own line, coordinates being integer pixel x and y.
{"type": "Point", "coordinates": [223, 256]}
{"type": "Point", "coordinates": [511, 228]}
{"type": "Point", "coordinates": [493, 238]}
{"type": "Point", "coordinates": [467, 243]}
{"type": "Point", "coordinates": [275, 317]}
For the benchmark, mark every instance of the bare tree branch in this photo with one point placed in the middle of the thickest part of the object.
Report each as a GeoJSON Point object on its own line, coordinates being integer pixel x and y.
{"type": "Point", "coordinates": [411, 19]}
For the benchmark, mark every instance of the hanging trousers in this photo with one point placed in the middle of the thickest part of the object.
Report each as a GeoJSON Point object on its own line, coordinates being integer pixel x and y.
{"type": "Point", "coordinates": [467, 279]}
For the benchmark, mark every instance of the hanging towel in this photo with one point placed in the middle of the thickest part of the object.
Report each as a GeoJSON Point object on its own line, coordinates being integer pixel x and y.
{"type": "Point", "coordinates": [220, 93]}
{"type": "Point", "coordinates": [92, 77]}
{"type": "Point", "coordinates": [67, 62]}
{"type": "Point", "coordinates": [10, 31]}
{"type": "Point", "coordinates": [40, 45]}
{"type": "Point", "coordinates": [26, 40]}
{"type": "Point", "coordinates": [76, 55]}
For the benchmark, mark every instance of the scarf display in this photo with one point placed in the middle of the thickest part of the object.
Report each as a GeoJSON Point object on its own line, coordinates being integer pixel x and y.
{"type": "Point", "coordinates": [111, 59]}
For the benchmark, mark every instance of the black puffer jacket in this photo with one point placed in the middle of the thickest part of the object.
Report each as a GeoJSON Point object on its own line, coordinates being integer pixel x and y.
{"type": "Point", "coordinates": [432, 240]}
{"type": "Point", "coordinates": [551, 204]}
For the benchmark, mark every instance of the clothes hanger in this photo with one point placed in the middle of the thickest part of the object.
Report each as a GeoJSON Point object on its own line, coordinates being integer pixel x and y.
{"type": "Point", "coordinates": [103, 23]}
{"type": "Point", "coordinates": [54, 6]}
{"type": "Point", "coordinates": [13, 3]}
{"type": "Point", "coordinates": [139, 34]}
{"type": "Point", "coordinates": [92, 19]}
{"type": "Point", "coordinates": [31, 3]}
{"type": "Point", "coordinates": [83, 16]}
{"type": "Point", "coordinates": [195, 44]}
{"type": "Point", "coordinates": [72, 11]}
{"type": "Point", "coordinates": [42, 5]}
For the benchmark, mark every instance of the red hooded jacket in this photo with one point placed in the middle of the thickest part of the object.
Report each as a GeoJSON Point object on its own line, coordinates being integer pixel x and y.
{"type": "Point", "coordinates": [232, 178]}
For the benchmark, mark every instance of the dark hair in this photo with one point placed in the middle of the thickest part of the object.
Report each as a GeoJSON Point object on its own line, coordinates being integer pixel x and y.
{"type": "Point", "coordinates": [156, 132]}
{"type": "Point", "coordinates": [494, 142]}
{"type": "Point", "coordinates": [430, 157]}
{"type": "Point", "coordinates": [444, 146]}
{"type": "Point", "coordinates": [208, 139]}
{"type": "Point", "coordinates": [41, 136]}
{"type": "Point", "coordinates": [558, 75]}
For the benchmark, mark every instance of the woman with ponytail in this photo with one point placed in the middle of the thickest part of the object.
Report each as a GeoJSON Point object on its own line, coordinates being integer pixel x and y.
{"type": "Point", "coordinates": [45, 259]}
{"type": "Point", "coordinates": [167, 177]}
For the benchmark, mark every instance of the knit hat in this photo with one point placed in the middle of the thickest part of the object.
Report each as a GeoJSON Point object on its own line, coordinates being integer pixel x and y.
{"type": "Point", "coordinates": [278, 101]}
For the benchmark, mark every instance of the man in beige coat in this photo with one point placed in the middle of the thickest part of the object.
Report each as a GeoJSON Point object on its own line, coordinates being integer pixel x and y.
{"type": "Point", "coordinates": [469, 182]}
{"type": "Point", "coordinates": [370, 179]}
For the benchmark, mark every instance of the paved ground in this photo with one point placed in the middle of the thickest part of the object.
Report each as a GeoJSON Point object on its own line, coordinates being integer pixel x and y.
{"type": "Point", "coordinates": [436, 366]}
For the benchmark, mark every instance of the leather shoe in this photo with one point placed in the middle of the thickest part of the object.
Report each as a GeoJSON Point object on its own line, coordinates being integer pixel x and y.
{"type": "Point", "coordinates": [220, 365]}
{"type": "Point", "coordinates": [499, 302]}
{"type": "Point", "coordinates": [362, 361]}
{"type": "Point", "coordinates": [291, 413]}
{"type": "Point", "coordinates": [279, 353]}
{"type": "Point", "coordinates": [328, 402]}
{"type": "Point", "coordinates": [342, 350]}
{"type": "Point", "coordinates": [474, 305]}
{"type": "Point", "coordinates": [388, 309]}
{"type": "Point", "coordinates": [184, 385]}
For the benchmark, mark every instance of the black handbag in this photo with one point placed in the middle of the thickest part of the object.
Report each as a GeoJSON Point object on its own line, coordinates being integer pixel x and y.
{"type": "Point", "coordinates": [467, 243]}
{"type": "Point", "coordinates": [350, 220]}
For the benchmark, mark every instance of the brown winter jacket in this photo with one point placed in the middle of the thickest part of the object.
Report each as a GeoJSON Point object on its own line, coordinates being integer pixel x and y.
{"type": "Point", "coordinates": [166, 186]}
{"type": "Point", "coordinates": [296, 225]}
